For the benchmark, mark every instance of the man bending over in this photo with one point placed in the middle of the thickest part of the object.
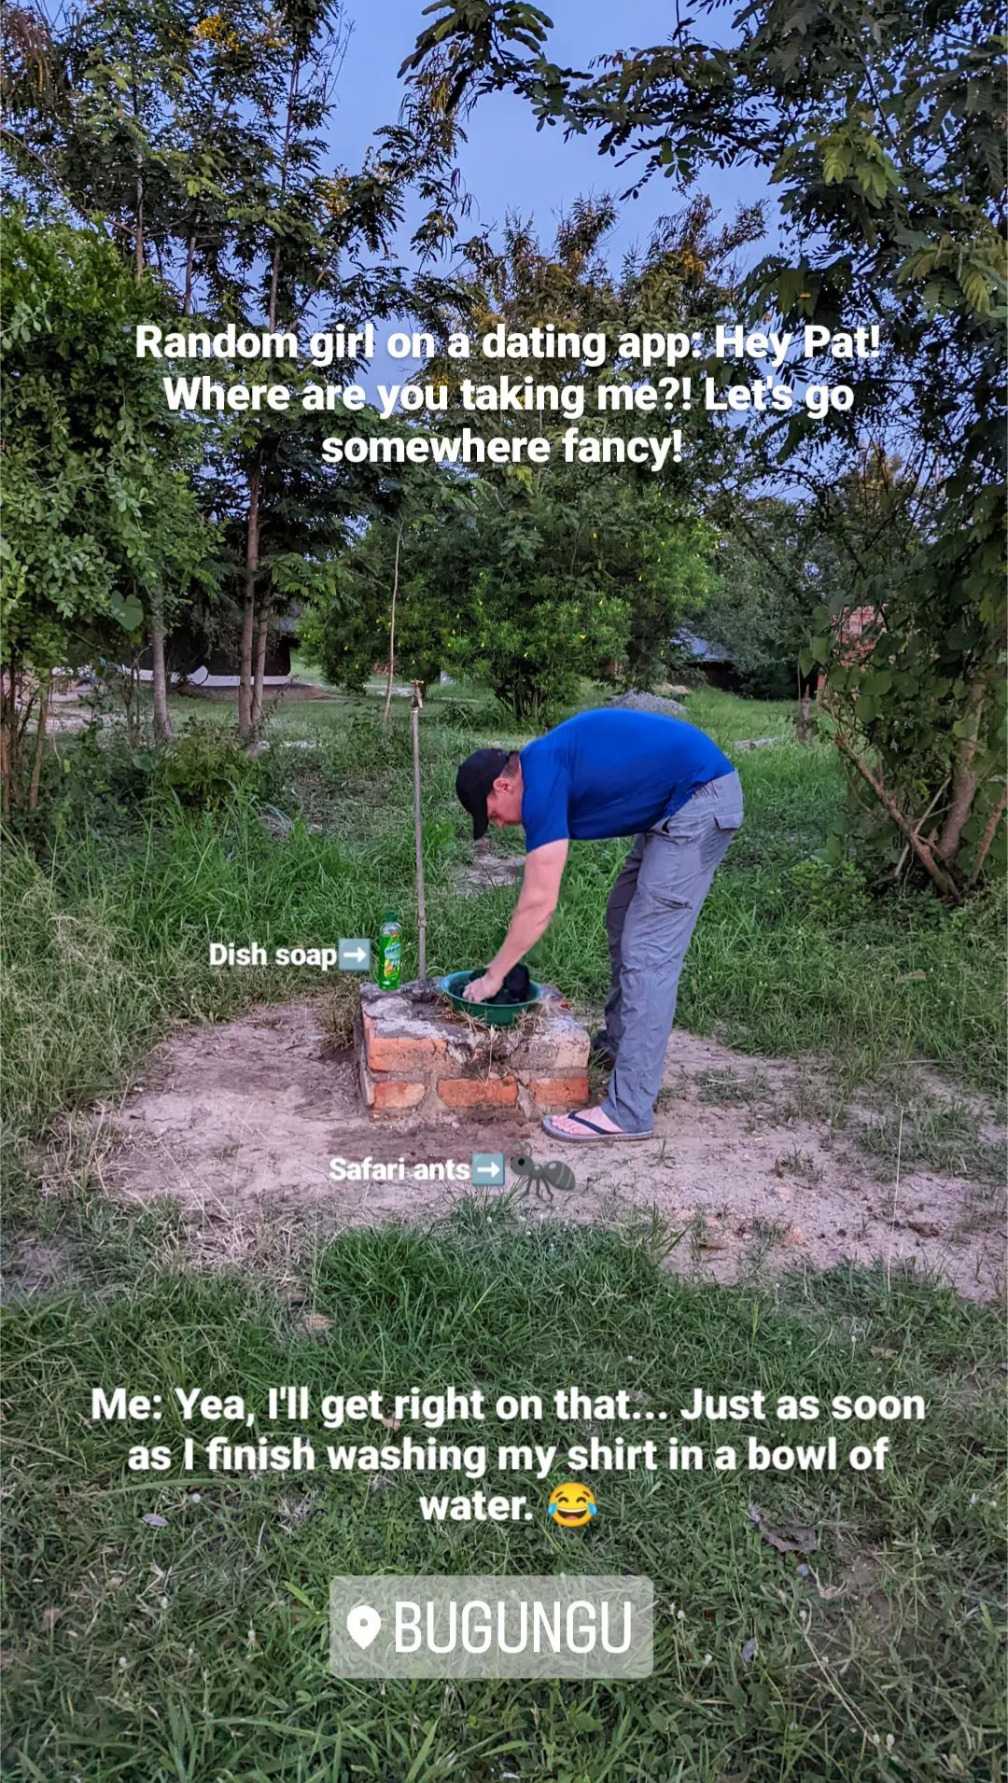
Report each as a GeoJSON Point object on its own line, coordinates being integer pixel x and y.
{"type": "Point", "coordinates": [613, 773]}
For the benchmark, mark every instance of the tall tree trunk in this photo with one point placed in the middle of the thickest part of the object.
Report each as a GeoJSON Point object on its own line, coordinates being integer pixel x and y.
{"type": "Point", "coordinates": [139, 238]}
{"type": "Point", "coordinates": [162, 716]}
{"type": "Point", "coordinates": [964, 778]}
{"type": "Point", "coordinates": [804, 726]}
{"type": "Point", "coordinates": [928, 858]}
{"type": "Point", "coordinates": [11, 740]}
{"type": "Point", "coordinates": [15, 733]}
{"type": "Point", "coordinates": [130, 705]}
{"type": "Point", "coordinates": [248, 610]}
{"type": "Point", "coordinates": [259, 669]}
{"type": "Point", "coordinates": [190, 257]}
{"type": "Point", "coordinates": [4, 756]}
{"type": "Point", "coordinates": [261, 634]}
{"type": "Point", "coordinates": [990, 831]}
{"type": "Point", "coordinates": [284, 162]}
{"type": "Point", "coordinates": [39, 743]}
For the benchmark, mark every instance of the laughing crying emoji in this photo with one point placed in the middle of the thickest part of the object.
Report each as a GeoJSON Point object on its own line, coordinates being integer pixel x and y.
{"type": "Point", "coordinates": [572, 1505]}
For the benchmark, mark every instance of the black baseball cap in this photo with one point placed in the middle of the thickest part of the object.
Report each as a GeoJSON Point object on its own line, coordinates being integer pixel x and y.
{"type": "Point", "coordinates": [474, 782]}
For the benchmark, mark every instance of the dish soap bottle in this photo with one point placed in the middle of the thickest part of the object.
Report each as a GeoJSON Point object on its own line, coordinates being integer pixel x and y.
{"type": "Point", "coordinates": [389, 953]}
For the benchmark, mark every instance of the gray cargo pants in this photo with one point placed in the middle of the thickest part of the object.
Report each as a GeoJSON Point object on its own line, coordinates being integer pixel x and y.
{"type": "Point", "coordinates": [650, 917]}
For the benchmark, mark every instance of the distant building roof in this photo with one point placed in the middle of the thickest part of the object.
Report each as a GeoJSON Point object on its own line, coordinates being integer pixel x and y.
{"type": "Point", "coordinates": [701, 649]}
{"type": "Point", "coordinates": [287, 624]}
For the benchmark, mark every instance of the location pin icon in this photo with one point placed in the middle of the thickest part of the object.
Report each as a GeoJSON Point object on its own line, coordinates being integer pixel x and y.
{"type": "Point", "coordinates": [363, 1624]}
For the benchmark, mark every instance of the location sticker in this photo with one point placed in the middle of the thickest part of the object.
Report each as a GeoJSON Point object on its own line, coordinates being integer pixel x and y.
{"type": "Point", "coordinates": [363, 1624]}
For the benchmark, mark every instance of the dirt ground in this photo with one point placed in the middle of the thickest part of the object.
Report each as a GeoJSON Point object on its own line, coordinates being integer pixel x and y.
{"type": "Point", "coordinates": [70, 711]}
{"type": "Point", "coordinates": [746, 1170]}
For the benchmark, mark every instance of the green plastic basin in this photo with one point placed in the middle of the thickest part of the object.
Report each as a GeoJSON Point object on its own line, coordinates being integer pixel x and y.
{"type": "Point", "coordinates": [503, 1015]}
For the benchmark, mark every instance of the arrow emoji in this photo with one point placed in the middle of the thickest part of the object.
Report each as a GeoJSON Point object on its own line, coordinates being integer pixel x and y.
{"type": "Point", "coordinates": [355, 955]}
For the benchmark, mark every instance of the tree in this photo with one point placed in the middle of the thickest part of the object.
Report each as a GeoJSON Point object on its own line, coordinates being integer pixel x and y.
{"type": "Point", "coordinates": [527, 581]}
{"type": "Point", "coordinates": [579, 572]}
{"type": "Point", "coordinates": [290, 249]}
{"type": "Point", "coordinates": [530, 578]}
{"type": "Point", "coordinates": [94, 118]}
{"type": "Point", "coordinates": [100, 519]}
{"type": "Point", "coordinates": [768, 584]}
{"type": "Point", "coordinates": [399, 593]}
{"type": "Point", "coordinates": [199, 146]}
{"type": "Point", "coordinates": [623, 558]}
{"type": "Point", "coordinates": [683, 278]}
{"type": "Point", "coordinates": [925, 742]}
{"type": "Point", "coordinates": [883, 131]}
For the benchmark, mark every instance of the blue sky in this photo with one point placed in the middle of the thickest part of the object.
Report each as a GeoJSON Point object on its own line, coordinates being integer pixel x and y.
{"type": "Point", "coordinates": [506, 163]}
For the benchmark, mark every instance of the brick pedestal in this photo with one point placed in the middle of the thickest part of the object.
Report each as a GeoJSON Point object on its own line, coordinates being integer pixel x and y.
{"type": "Point", "coordinates": [429, 1060]}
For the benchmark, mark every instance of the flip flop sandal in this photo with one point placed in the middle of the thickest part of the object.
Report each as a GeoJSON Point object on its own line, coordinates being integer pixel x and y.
{"type": "Point", "coordinates": [592, 1131]}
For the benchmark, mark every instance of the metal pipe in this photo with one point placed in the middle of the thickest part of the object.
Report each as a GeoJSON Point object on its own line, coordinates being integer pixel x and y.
{"type": "Point", "coordinates": [418, 836]}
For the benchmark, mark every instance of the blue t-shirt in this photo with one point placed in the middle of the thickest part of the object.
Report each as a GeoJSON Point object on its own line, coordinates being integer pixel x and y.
{"type": "Point", "coordinates": [612, 773]}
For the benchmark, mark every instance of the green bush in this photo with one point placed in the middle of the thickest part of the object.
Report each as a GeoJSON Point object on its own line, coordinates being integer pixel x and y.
{"type": "Point", "coordinates": [205, 769]}
{"type": "Point", "coordinates": [97, 787]}
{"type": "Point", "coordinates": [828, 894]}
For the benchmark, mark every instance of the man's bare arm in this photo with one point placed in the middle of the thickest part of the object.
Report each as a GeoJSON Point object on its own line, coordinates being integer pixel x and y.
{"type": "Point", "coordinates": [539, 893]}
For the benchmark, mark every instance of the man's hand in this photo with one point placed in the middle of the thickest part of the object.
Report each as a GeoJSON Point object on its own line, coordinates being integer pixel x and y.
{"type": "Point", "coordinates": [482, 989]}
{"type": "Point", "coordinates": [540, 889]}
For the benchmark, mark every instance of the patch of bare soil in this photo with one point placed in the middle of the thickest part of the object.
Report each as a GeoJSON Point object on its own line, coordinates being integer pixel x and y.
{"type": "Point", "coordinates": [239, 1123]}
{"type": "Point", "coordinates": [490, 870]}
{"type": "Point", "coordinates": [295, 693]}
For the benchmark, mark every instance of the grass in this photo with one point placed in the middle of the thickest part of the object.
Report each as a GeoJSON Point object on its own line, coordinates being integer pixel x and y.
{"type": "Point", "coordinates": [798, 1163]}
{"type": "Point", "coordinates": [107, 940]}
{"type": "Point", "coordinates": [196, 1650]}
{"type": "Point", "coordinates": [944, 1136]}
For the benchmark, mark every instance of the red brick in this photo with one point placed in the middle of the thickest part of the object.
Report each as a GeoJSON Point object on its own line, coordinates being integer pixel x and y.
{"type": "Point", "coordinates": [568, 1091]}
{"type": "Point", "coordinates": [558, 1055]}
{"type": "Point", "coordinates": [399, 1052]}
{"type": "Point", "coordinates": [394, 1092]}
{"type": "Point", "coordinates": [478, 1092]}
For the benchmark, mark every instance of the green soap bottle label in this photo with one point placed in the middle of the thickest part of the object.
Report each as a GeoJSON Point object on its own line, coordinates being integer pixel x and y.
{"type": "Point", "coordinates": [390, 953]}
